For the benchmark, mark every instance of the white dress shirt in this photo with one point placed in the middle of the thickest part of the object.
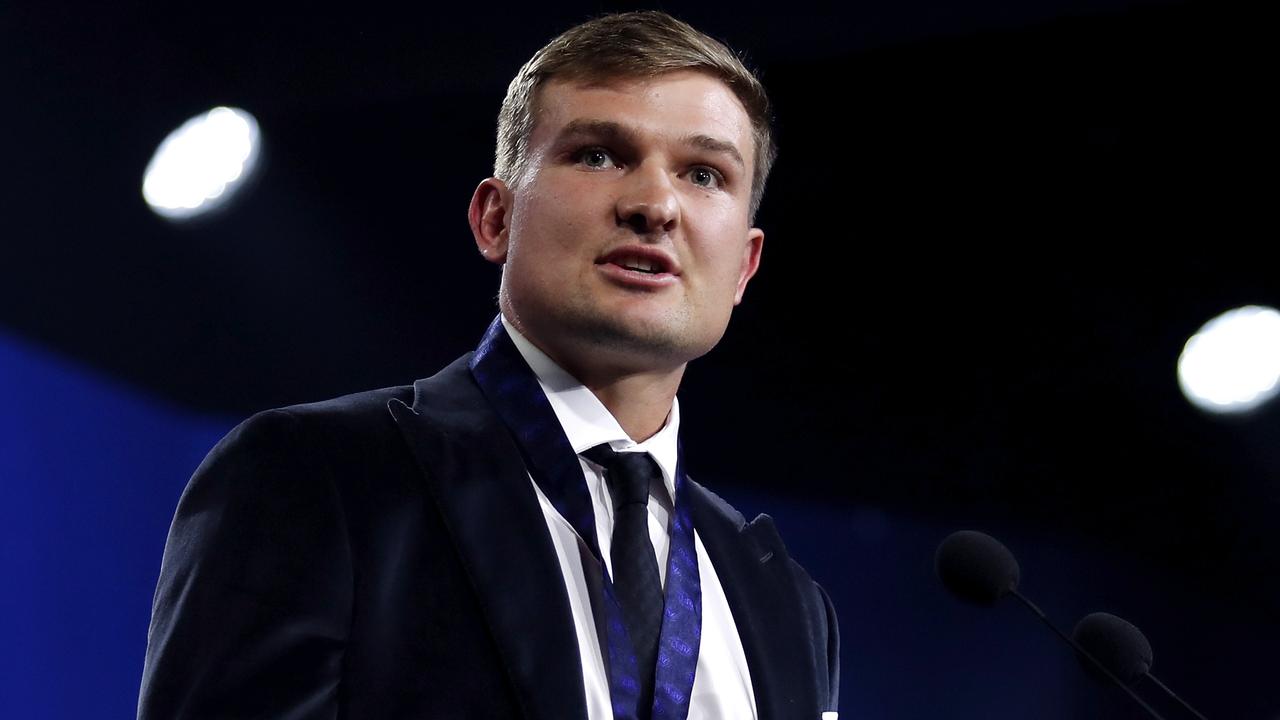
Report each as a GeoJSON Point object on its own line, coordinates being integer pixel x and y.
{"type": "Point", "coordinates": [722, 683]}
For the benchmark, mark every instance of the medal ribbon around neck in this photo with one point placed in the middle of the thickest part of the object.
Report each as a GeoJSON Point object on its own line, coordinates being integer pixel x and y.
{"type": "Point", "coordinates": [512, 388]}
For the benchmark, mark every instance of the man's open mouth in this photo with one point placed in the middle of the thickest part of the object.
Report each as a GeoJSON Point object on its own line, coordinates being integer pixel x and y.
{"type": "Point", "coordinates": [649, 262]}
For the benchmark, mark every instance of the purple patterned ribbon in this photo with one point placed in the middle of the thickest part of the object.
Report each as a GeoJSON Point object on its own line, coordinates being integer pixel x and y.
{"type": "Point", "coordinates": [512, 388]}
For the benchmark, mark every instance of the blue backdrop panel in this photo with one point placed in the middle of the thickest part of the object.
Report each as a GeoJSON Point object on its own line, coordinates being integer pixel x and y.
{"type": "Point", "coordinates": [91, 473]}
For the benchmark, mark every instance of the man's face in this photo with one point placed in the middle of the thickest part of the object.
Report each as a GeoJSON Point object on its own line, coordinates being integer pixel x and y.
{"type": "Point", "coordinates": [627, 239]}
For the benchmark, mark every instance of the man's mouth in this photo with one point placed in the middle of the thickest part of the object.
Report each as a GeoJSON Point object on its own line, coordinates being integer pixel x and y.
{"type": "Point", "coordinates": [642, 260]}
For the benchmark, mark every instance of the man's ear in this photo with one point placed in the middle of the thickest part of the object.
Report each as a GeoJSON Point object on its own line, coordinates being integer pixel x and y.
{"type": "Point", "coordinates": [489, 215]}
{"type": "Point", "coordinates": [750, 261]}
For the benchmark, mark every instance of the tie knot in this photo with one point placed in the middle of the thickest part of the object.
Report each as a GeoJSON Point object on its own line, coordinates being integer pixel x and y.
{"type": "Point", "coordinates": [627, 473]}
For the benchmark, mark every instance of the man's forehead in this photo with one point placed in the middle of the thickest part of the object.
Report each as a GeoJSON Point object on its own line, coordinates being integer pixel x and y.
{"type": "Point", "coordinates": [695, 105]}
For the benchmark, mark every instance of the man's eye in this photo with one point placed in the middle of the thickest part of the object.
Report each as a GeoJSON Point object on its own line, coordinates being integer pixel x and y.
{"type": "Point", "coordinates": [595, 157]}
{"type": "Point", "coordinates": [705, 177]}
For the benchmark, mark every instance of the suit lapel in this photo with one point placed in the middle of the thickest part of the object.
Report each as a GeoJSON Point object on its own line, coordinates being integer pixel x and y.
{"type": "Point", "coordinates": [752, 565]}
{"type": "Point", "coordinates": [483, 492]}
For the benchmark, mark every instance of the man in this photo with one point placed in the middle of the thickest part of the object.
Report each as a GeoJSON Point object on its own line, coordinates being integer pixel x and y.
{"type": "Point", "coordinates": [515, 536]}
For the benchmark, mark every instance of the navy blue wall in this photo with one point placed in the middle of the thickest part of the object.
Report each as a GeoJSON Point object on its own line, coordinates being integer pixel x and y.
{"type": "Point", "coordinates": [91, 472]}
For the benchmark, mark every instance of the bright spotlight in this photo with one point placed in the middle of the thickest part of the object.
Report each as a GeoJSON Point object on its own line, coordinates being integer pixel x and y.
{"type": "Point", "coordinates": [201, 164]}
{"type": "Point", "coordinates": [1232, 364]}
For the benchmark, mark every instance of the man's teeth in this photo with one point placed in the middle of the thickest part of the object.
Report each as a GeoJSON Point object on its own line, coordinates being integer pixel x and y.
{"type": "Point", "coordinates": [643, 265]}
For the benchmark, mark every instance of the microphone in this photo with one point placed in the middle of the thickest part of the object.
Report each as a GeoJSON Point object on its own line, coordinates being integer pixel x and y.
{"type": "Point", "coordinates": [976, 567]}
{"type": "Point", "coordinates": [980, 570]}
{"type": "Point", "coordinates": [1122, 648]}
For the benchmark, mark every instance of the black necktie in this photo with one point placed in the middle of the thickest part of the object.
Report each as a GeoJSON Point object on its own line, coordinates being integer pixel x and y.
{"type": "Point", "coordinates": [635, 567]}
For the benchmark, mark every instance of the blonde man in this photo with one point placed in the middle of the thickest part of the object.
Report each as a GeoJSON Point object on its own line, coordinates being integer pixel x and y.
{"type": "Point", "coordinates": [515, 536]}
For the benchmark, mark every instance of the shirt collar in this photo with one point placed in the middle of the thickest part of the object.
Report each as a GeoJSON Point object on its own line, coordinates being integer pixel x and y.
{"type": "Point", "coordinates": [587, 422]}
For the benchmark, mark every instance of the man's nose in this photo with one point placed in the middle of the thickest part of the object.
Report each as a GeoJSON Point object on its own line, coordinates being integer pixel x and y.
{"type": "Point", "coordinates": [648, 203]}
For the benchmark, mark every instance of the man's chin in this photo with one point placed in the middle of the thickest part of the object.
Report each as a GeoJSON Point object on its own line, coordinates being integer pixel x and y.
{"type": "Point", "coordinates": [658, 343]}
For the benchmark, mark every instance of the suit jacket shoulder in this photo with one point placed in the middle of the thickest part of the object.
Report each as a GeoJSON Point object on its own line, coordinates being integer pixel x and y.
{"type": "Point", "coordinates": [785, 620]}
{"type": "Point", "coordinates": [309, 573]}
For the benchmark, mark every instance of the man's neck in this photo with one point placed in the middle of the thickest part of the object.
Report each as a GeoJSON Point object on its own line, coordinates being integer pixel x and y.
{"type": "Point", "coordinates": [639, 402]}
{"type": "Point", "coordinates": [639, 398]}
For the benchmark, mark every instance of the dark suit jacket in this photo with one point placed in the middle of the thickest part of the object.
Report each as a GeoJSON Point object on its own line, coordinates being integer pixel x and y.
{"type": "Point", "coordinates": [383, 555]}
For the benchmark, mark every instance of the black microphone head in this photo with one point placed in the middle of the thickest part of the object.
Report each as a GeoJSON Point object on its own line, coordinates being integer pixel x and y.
{"type": "Point", "coordinates": [976, 567]}
{"type": "Point", "coordinates": [1116, 643]}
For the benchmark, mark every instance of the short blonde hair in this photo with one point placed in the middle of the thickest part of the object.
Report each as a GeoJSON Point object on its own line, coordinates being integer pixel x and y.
{"type": "Point", "coordinates": [641, 44]}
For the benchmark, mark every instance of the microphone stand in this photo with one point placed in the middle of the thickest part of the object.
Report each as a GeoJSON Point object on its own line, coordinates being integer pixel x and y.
{"type": "Point", "coordinates": [1085, 654]}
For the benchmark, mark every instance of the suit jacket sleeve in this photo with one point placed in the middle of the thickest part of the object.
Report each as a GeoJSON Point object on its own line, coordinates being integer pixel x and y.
{"type": "Point", "coordinates": [252, 609]}
{"type": "Point", "coordinates": [833, 650]}
{"type": "Point", "coordinates": [824, 637]}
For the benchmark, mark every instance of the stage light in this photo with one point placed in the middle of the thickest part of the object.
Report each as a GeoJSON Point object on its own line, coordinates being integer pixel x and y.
{"type": "Point", "coordinates": [200, 165]}
{"type": "Point", "coordinates": [1232, 364]}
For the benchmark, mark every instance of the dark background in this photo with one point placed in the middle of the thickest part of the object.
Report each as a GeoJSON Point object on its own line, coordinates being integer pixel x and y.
{"type": "Point", "coordinates": [991, 229]}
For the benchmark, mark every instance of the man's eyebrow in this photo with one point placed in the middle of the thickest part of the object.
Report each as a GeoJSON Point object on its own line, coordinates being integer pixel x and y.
{"type": "Point", "coordinates": [609, 131]}
{"type": "Point", "coordinates": [716, 145]}
{"type": "Point", "coordinates": [600, 129]}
